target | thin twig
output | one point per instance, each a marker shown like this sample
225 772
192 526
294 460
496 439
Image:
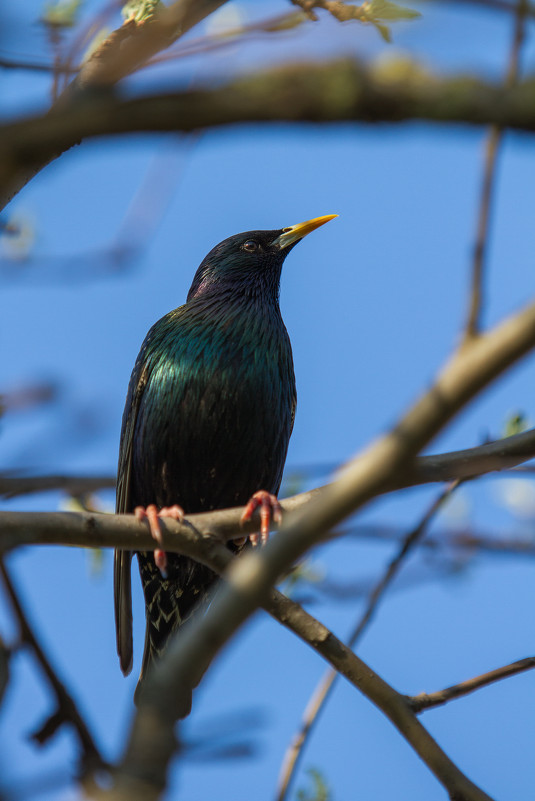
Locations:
492 148
451 540
67 711
494 5
322 691
423 701
229 38
33 66
85 35
13 486
203 44
385 697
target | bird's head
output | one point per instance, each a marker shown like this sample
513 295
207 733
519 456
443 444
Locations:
251 260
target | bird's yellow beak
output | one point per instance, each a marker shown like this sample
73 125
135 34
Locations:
296 232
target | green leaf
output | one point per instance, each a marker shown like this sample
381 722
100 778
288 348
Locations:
384 31
61 14
385 10
140 10
320 791
286 23
516 423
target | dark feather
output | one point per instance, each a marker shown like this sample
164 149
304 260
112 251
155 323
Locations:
207 421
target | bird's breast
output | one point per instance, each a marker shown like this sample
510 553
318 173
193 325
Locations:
216 416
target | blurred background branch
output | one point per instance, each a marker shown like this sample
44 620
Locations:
343 91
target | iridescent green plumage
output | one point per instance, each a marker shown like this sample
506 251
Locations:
208 418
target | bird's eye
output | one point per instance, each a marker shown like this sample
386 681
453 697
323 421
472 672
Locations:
250 245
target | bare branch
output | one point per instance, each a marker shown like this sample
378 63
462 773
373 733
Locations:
155 743
322 691
343 91
495 5
388 700
494 140
463 539
125 50
202 547
470 463
213 554
67 711
11 486
420 703
134 43
31 66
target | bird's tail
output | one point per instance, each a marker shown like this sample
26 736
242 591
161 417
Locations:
149 657
169 603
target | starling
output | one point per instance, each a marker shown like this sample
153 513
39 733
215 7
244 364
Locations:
207 421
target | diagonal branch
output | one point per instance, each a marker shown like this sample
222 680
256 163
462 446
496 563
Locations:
67 711
209 550
322 691
465 539
395 706
11 486
130 46
492 148
419 703
156 743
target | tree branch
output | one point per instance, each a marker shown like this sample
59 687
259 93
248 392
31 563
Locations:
492 148
341 91
419 703
498 455
322 691
205 548
123 531
465 539
67 711
388 700
11 486
155 744
129 47
125 50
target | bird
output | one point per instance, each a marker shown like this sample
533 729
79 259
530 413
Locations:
208 416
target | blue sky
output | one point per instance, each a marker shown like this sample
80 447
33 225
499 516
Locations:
373 302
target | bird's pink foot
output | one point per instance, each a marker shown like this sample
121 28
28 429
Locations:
270 509
152 515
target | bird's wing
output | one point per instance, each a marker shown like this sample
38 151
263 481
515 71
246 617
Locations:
122 579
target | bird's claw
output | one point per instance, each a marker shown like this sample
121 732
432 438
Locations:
270 509
152 515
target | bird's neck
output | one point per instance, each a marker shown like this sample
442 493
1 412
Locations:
234 311
233 297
